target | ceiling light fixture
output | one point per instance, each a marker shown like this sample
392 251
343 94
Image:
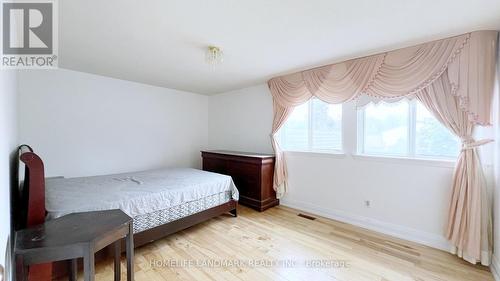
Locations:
214 55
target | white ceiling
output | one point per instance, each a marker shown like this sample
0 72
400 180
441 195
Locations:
162 42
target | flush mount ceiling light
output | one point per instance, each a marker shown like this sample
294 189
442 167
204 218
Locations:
214 55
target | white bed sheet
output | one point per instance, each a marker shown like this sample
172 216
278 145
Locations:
135 193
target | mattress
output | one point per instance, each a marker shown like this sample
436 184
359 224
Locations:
154 219
150 197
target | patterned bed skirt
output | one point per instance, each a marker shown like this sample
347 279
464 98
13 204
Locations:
154 219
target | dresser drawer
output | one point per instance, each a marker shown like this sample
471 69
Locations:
246 177
247 187
246 170
214 165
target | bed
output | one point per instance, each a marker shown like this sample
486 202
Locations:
151 198
161 201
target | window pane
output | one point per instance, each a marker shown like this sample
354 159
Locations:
295 133
386 128
327 125
320 129
432 138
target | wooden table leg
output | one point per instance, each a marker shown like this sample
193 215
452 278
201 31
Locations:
73 269
88 264
118 248
130 253
21 269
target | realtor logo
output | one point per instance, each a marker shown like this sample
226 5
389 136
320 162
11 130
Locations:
29 33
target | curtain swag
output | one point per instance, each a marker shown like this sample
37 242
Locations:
453 77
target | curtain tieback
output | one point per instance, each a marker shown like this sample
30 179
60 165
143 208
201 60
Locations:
471 143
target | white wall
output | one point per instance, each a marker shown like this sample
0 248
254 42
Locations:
241 120
83 124
8 143
409 198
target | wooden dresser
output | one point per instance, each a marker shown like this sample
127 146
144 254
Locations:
251 172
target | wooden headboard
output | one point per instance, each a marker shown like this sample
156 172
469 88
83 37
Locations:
28 200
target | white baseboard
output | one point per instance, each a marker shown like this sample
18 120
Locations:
495 268
402 232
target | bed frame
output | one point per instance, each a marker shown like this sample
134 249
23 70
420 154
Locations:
29 209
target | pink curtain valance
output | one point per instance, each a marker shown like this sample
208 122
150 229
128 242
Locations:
469 59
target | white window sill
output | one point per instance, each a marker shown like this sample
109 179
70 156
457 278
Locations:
322 154
436 162
433 162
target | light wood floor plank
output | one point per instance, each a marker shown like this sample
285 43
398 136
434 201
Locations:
278 234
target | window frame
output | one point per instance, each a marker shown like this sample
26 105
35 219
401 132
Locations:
411 135
310 124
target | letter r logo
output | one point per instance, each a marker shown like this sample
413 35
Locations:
27 28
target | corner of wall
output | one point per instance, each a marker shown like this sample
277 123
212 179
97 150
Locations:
8 145
495 262
8 270
495 268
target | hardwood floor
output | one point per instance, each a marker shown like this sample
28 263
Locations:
333 250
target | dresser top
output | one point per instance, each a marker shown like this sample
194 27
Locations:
240 153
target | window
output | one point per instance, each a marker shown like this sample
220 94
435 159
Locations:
405 128
313 126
